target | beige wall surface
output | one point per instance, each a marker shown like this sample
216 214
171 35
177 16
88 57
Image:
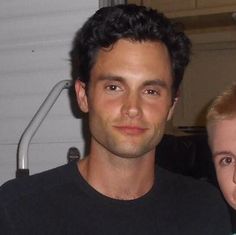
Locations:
211 70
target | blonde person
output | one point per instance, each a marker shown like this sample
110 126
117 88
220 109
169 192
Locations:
221 127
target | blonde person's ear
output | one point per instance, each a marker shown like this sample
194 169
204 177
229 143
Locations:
172 108
81 95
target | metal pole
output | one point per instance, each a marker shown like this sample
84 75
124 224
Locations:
22 153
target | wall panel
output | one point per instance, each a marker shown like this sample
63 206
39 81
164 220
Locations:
35 39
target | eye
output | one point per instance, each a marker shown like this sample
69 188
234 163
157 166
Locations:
153 92
226 161
113 87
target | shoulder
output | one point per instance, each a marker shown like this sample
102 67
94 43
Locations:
36 184
182 182
194 202
189 190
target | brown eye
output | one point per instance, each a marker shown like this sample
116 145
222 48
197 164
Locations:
151 92
225 161
113 88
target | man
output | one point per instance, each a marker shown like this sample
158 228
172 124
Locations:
128 62
221 127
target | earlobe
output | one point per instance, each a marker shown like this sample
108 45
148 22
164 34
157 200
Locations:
172 108
81 96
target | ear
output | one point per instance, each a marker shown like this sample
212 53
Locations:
172 108
81 95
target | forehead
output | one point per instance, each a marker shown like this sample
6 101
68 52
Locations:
132 59
222 134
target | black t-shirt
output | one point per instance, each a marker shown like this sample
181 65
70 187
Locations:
60 201
233 219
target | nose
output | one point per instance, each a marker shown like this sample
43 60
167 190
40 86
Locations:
132 106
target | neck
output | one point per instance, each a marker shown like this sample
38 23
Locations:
119 178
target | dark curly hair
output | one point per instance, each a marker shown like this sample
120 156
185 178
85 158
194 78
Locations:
138 23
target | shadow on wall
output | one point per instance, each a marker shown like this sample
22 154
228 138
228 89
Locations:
201 117
77 113
188 155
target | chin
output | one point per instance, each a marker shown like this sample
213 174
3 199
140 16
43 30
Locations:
130 153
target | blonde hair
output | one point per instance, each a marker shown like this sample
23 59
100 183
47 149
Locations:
224 106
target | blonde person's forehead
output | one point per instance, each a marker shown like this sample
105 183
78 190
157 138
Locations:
219 120
222 134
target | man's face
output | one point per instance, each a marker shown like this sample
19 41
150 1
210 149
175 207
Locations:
222 139
129 98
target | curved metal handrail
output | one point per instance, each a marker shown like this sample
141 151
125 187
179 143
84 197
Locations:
29 132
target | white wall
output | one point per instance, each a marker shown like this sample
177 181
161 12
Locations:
35 38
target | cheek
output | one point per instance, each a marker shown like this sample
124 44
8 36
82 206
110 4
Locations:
224 176
157 113
101 114
229 192
225 179
105 105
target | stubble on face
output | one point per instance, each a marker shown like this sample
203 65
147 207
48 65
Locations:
128 121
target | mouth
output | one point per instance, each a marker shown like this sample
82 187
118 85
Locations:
131 130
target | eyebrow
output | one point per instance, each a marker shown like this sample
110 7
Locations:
222 153
155 82
151 82
111 78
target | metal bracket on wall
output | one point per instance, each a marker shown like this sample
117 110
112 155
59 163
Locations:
29 132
